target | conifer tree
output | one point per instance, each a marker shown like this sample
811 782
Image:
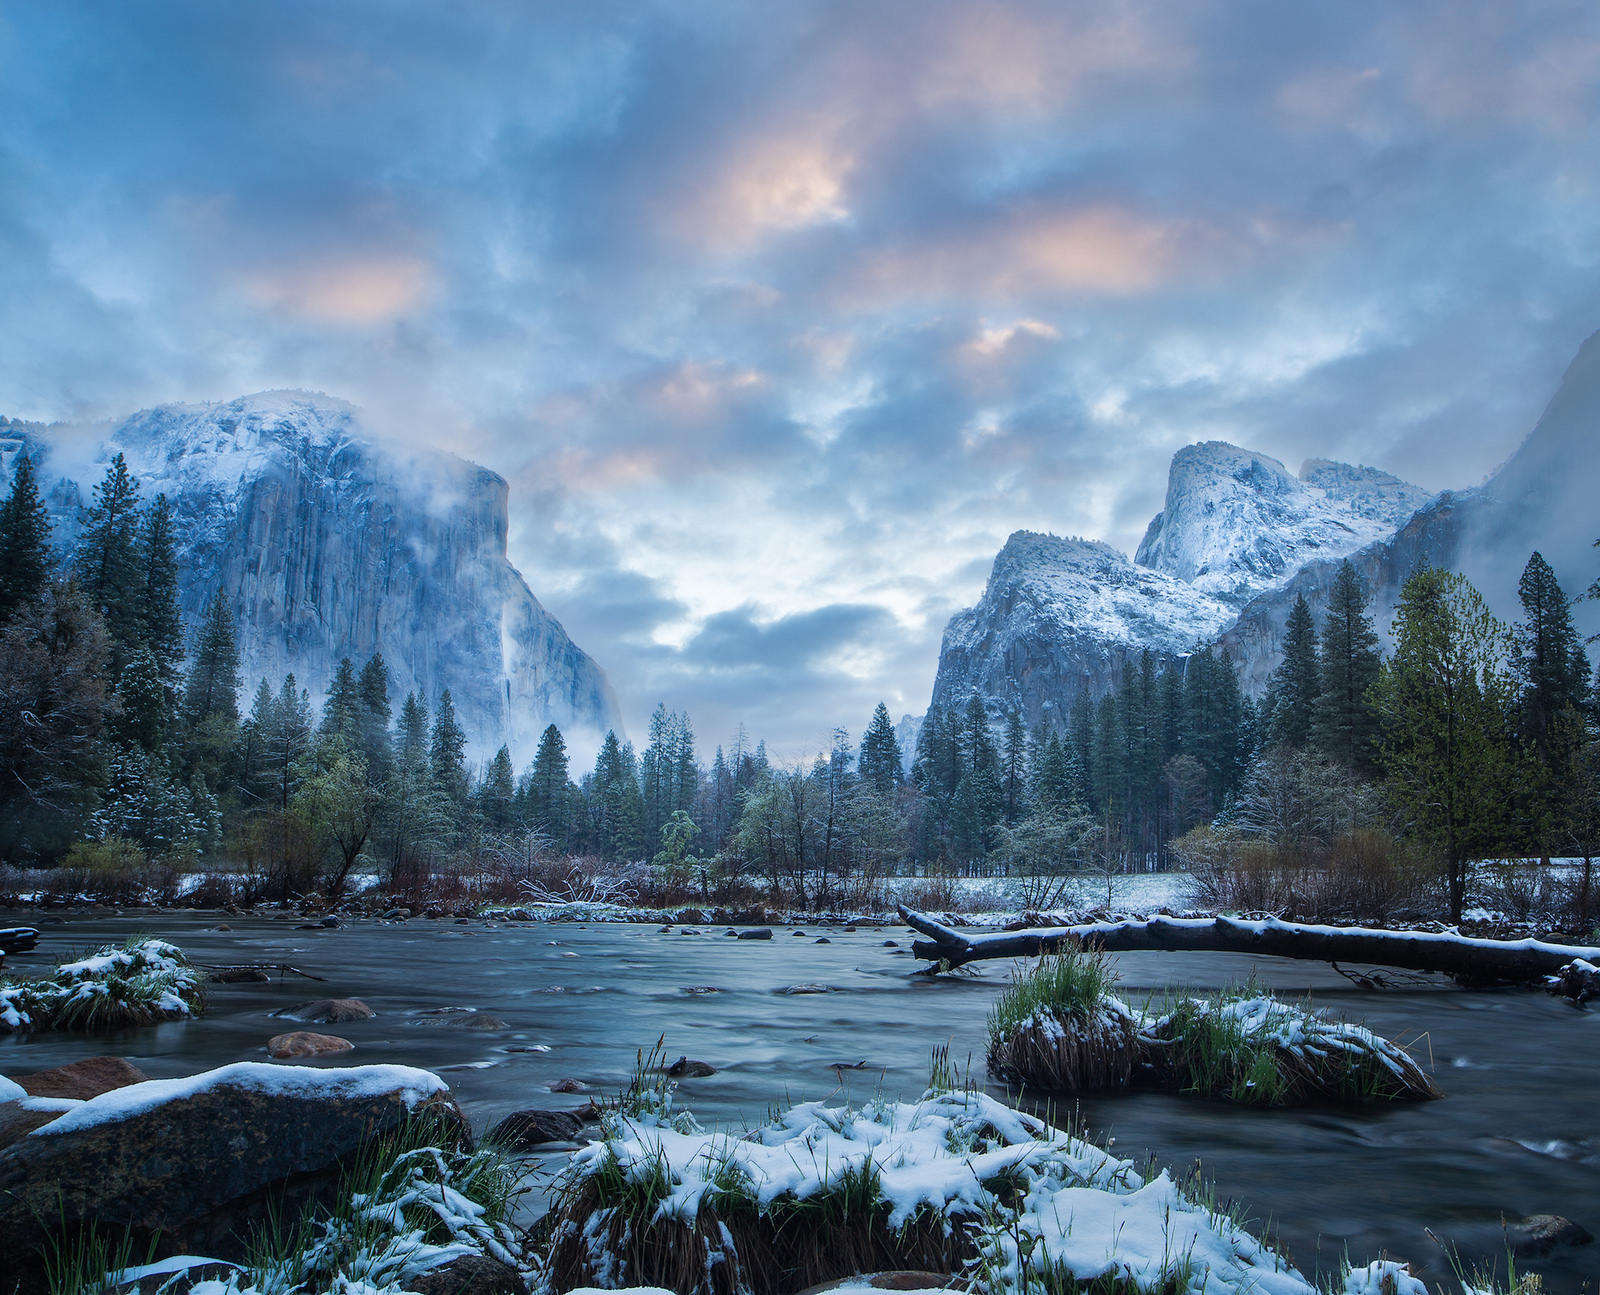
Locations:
109 570
341 710
24 541
372 718
1552 672
880 764
616 803
160 623
212 688
1343 724
497 795
1444 703
1295 686
1014 770
979 799
142 718
547 801
447 755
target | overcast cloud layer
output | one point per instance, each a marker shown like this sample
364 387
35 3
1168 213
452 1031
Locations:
780 317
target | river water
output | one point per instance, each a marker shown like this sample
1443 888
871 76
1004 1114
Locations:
1515 1135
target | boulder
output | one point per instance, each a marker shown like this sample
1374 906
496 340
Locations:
329 1011
306 1043
688 1068
459 1018
1539 1234
470 1275
759 933
82 1079
533 1128
569 1086
202 1161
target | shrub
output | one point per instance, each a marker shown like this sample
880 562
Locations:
140 983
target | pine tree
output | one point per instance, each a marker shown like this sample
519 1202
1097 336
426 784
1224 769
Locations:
1444 703
880 766
372 718
415 809
1343 724
547 803
1552 672
497 795
979 799
341 712
213 684
617 806
1295 686
142 717
24 541
1014 770
160 623
109 570
447 755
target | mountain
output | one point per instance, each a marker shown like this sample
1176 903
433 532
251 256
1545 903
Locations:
328 544
1236 522
1062 615
1542 497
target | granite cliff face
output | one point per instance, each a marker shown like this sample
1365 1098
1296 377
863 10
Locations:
1061 616
1239 539
327 545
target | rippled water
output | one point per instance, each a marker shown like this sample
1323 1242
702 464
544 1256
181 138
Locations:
1516 1134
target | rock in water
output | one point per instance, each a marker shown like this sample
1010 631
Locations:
83 1079
330 1011
202 1160
532 1128
688 1068
306 1043
330 545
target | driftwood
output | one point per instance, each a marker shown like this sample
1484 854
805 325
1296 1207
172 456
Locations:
18 939
1469 961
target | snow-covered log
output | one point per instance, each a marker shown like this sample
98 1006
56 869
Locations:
1468 960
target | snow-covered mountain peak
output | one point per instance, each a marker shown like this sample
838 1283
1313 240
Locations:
1236 522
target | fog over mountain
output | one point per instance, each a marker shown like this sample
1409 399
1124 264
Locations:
328 544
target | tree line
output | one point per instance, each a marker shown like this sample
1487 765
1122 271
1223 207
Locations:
121 736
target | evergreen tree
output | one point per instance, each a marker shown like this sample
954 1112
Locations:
24 541
1444 703
52 713
142 717
160 623
109 569
416 811
1014 770
341 712
1552 672
1343 724
497 795
213 684
1295 685
880 766
547 803
1216 722
447 755
372 718
617 807
979 798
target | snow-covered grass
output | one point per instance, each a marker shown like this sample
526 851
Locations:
404 1208
955 1182
139 983
1059 1028
1248 1047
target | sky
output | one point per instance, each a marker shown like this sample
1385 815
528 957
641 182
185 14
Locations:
779 317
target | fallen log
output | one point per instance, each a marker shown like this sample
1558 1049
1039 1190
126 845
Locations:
224 970
1468 960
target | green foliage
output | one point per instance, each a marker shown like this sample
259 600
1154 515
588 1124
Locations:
139 983
24 541
881 764
1294 688
1444 704
1075 983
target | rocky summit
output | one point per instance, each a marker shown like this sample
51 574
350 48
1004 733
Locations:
327 544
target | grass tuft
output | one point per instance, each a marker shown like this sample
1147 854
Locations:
1059 1028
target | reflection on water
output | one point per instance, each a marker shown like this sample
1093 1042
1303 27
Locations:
1515 1134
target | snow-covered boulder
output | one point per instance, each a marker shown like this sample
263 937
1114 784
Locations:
201 1160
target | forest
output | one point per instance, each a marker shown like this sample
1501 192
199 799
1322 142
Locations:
1361 784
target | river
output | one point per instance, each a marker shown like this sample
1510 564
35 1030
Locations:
1515 1135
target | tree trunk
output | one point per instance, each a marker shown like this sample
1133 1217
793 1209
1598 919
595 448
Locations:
1469 961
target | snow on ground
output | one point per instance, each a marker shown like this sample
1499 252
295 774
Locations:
414 1086
1080 1209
